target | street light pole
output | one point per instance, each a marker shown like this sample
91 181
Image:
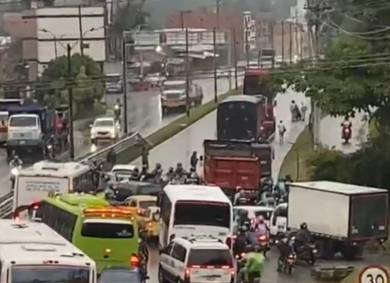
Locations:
187 76
70 101
81 32
124 65
215 66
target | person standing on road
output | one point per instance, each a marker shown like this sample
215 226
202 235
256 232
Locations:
282 131
303 110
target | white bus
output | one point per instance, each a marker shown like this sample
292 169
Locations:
35 182
191 210
32 252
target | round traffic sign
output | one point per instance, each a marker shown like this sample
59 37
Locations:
374 274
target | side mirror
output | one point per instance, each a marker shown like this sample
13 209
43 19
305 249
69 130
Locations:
90 125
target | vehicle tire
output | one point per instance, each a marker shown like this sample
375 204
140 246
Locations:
165 110
161 277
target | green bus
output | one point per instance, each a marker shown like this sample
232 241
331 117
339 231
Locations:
107 234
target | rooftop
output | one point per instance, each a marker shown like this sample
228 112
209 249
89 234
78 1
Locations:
339 188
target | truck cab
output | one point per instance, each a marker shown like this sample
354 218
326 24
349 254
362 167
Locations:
29 127
173 95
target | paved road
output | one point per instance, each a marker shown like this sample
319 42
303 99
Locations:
180 147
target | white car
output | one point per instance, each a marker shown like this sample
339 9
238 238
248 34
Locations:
121 172
278 221
196 260
105 129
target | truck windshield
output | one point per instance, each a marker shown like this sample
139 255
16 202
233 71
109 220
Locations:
207 213
21 121
41 273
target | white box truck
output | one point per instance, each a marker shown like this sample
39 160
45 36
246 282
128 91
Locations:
341 217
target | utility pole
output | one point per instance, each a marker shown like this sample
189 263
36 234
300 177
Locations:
70 100
124 72
247 47
296 33
301 36
235 59
55 47
182 19
282 42
187 76
215 65
218 3
273 44
291 41
81 32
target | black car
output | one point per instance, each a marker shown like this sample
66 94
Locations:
122 275
119 192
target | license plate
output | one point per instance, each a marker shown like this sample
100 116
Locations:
22 142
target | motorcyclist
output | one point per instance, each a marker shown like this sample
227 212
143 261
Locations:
179 171
117 109
303 236
193 177
241 241
15 161
285 250
156 172
252 237
95 173
170 174
253 265
237 196
346 124
243 220
261 228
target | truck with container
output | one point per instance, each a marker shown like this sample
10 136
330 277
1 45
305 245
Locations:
341 217
232 164
29 129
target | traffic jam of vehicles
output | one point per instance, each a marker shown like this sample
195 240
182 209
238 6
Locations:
220 221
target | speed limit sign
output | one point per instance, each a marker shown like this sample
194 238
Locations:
374 274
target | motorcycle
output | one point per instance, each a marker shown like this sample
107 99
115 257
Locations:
50 151
287 264
264 244
346 134
306 253
14 172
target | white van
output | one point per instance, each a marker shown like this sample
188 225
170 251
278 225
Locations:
192 210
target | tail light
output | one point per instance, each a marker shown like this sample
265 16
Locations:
134 261
187 274
262 238
150 224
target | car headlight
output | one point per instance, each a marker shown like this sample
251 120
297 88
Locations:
93 134
112 134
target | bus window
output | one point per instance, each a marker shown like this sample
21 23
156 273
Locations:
37 273
208 213
112 230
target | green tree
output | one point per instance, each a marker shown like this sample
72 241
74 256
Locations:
85 77
129 16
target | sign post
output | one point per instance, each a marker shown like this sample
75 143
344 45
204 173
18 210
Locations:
374 274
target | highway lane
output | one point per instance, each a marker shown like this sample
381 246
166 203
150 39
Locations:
180 147
144 115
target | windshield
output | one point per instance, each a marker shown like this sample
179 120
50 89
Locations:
49 274
254 85
103 123
207 213
146 204
23 121
113 78
179 86
107 230
209 257
120 275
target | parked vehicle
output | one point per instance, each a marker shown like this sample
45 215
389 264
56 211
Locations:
114 83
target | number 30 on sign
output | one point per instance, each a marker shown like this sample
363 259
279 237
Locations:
374 274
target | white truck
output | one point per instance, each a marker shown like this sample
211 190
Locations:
341 217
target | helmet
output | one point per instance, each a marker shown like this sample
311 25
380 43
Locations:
244 213
284 240
179 165
192 169
238 188
304 226
170 169
261 219
158 165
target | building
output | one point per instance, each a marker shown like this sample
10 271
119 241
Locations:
48 31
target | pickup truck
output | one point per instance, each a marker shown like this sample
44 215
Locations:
229 164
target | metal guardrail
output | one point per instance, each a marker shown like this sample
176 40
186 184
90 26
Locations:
123 145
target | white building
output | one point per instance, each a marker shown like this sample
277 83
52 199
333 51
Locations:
50 30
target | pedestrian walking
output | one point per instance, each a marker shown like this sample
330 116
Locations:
303 110
194 159
282 131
